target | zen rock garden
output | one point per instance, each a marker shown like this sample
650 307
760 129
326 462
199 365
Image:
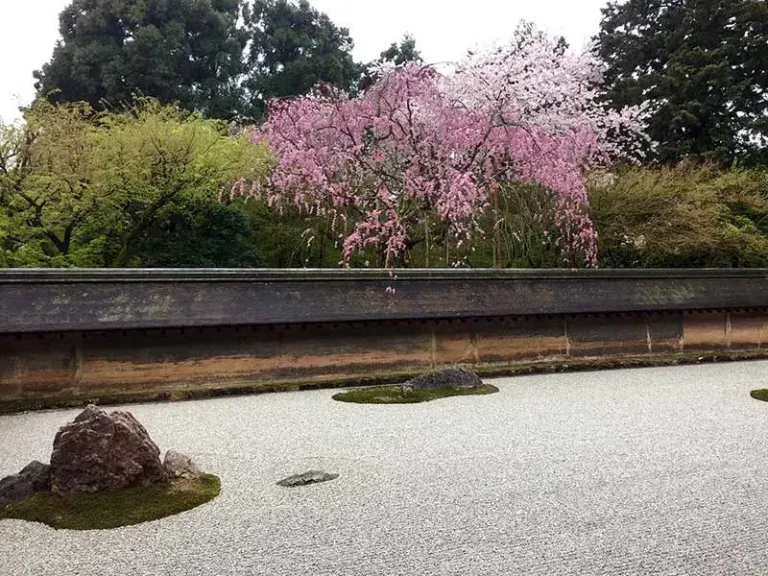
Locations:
311 485
105 471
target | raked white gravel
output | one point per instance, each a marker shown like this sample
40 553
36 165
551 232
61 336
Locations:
651 471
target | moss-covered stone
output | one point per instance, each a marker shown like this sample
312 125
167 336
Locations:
405 395
760 394
114 509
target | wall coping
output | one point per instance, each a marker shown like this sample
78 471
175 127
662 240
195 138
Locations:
315 275
36 301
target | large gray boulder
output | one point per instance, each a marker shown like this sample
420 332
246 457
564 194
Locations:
34 477
453 377
101 452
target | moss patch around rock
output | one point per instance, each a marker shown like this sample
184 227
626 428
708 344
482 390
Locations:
399 395
111 510
760 394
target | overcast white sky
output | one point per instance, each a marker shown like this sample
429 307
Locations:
444 30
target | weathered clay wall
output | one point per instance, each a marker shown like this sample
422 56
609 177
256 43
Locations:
55 301
66 368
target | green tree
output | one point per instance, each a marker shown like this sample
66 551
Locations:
85 188
46 171
401 53
292 48
199 233
703 67
224 58
178 51
397 54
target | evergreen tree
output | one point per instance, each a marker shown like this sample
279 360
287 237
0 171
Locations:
702 65
182 51
292 48
223 58
401 53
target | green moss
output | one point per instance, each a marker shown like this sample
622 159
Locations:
760 394
398 395
111 510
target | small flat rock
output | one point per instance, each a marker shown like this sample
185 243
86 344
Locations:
311 477
453 377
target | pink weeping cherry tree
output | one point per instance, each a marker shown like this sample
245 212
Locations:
421 150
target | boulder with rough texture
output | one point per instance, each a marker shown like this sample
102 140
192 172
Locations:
101 452
311 477
453 377
178 465
34 477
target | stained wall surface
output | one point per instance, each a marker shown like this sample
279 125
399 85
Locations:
48 369
72 336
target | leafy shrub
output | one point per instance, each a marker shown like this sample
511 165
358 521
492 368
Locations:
683 216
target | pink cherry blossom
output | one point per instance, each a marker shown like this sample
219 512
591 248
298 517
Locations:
535 80
419 144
